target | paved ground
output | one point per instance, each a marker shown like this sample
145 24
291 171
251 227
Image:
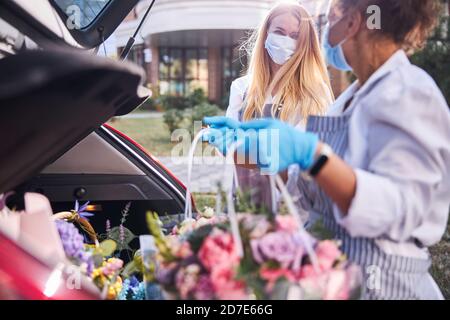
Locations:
143 115
206 174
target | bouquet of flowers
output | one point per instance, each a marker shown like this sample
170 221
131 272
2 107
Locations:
275 263
250 256
99 261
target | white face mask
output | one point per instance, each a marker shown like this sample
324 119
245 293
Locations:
280 48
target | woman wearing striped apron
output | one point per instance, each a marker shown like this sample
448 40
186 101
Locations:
377 167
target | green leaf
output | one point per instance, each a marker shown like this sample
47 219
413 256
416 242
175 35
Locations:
281 289
130 269
319 231
98 260
108 247
196 238
122 244
155 228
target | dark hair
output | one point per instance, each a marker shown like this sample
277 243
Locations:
407 22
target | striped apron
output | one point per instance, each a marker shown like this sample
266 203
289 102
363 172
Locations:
385 276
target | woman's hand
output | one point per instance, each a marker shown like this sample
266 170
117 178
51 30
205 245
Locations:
222 132
275 145
221 138
221 122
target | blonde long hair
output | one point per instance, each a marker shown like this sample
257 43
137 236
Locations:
303 85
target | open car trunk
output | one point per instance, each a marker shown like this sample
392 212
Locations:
53 105
51 100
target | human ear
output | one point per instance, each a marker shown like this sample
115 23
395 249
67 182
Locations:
354 23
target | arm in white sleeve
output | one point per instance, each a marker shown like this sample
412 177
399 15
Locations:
237 92
406 132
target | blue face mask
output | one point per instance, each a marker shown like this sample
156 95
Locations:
334 55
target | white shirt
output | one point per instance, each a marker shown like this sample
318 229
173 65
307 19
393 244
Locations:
238 91
399 145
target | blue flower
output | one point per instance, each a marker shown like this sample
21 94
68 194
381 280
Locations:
123 295
81 211
132 289
139 292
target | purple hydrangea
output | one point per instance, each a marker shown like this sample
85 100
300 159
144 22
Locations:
73 244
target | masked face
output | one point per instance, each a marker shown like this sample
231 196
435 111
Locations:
280 48
334 55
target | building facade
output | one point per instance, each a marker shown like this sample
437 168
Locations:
189 44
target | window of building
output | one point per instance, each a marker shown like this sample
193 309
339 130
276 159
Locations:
233 65
182 70
136 55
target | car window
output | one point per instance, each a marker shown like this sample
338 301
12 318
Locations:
81 13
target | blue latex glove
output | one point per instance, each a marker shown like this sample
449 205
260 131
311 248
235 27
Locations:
221 138
222 132
221 122
278 145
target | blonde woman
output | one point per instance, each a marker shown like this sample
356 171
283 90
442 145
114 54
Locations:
287 79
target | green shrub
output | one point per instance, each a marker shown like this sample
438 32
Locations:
197 97
169 102
177 119
204 110
182 112
173 118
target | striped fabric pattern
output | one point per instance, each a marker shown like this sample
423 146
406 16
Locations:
385 276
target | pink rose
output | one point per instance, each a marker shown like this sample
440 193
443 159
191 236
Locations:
337 287
184 284
286 223
184 251
225 285
272 274
179 249
308 271
327 253
328 285
111 266
218 250
204 290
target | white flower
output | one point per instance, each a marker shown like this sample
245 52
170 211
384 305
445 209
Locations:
208 213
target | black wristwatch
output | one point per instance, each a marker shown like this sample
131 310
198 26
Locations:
321 160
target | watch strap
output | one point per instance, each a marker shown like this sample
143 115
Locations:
321 160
